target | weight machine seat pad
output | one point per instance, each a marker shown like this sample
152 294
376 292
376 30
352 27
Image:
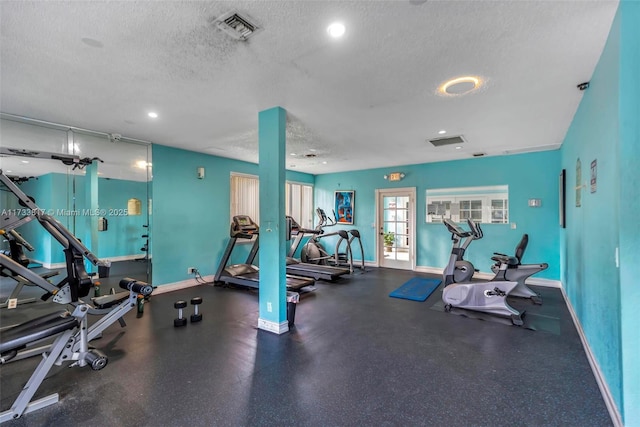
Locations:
45 326
108 301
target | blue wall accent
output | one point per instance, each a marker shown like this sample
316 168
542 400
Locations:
533 175
54 193
272 125
43 190
123 235
629 108
606 128
191 216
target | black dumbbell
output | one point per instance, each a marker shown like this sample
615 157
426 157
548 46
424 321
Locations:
180 321
196 317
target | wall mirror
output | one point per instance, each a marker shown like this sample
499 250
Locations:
92 200
488 205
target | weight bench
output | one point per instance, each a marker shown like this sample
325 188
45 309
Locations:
70 345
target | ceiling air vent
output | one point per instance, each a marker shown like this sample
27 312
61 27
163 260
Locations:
240 27
449 140
478 154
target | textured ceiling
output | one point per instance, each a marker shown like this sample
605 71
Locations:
366 100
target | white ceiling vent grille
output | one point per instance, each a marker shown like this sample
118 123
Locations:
238 26
449 140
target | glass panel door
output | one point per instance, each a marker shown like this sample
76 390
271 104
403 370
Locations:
396 229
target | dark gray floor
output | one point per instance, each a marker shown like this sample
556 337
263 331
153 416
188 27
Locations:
355 357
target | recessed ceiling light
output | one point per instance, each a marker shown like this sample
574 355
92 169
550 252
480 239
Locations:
153 115
458 147
293 154
442 132
9 171
312 149
25 161
336 30
324 163
460 86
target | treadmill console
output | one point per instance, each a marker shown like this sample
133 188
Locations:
243 226
292 226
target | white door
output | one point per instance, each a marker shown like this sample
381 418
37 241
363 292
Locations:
396 228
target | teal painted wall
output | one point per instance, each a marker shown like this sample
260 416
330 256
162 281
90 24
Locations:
42 191
589 274
533 175
606 128
629 108
191 216
272 124
54 193
123 235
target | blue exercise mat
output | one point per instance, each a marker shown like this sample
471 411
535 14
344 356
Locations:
416 289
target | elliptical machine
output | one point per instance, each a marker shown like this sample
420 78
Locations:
487 297
314 253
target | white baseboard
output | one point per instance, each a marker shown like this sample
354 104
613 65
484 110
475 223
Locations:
597 373
276 328
58 265
549 283
51 266
430 270
123 258
176 286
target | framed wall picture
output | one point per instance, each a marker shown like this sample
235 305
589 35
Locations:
562 183
343 206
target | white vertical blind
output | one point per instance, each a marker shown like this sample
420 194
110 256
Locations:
245 196
245 200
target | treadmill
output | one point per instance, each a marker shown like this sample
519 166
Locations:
246 274
295 266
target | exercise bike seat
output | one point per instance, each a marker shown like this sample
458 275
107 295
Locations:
17 337
505 259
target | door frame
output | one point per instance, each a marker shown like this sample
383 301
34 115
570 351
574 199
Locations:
412 223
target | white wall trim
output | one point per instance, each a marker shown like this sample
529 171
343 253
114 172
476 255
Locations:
123 258
50 266
549 283
431 270
58 265
176 286
276 328
597 373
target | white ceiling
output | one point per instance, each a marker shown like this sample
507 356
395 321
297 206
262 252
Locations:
366 100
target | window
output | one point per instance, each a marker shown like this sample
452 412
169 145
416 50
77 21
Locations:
480 204
245 200
299 199
244 196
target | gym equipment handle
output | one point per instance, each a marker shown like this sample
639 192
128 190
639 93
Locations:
136 286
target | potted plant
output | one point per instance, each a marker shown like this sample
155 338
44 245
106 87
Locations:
389 237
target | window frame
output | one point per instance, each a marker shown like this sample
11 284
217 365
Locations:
305 201
457 197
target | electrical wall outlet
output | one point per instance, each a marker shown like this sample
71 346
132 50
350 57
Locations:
191 270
